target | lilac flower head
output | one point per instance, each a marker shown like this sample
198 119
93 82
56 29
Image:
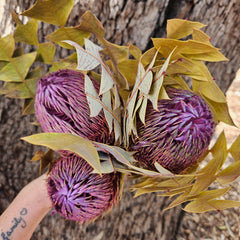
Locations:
176 135
61 106
78 195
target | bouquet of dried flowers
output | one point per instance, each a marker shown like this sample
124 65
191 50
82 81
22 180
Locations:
111 112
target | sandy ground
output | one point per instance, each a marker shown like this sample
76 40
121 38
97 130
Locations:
215 225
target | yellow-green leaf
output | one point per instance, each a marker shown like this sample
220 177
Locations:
220 145
28 106
229 174
220 111
179 28
128 68
17 69
68 33
27 33
135 51
65 141
200 36
200 206
50 11
7 45
235 149
46 52
210 90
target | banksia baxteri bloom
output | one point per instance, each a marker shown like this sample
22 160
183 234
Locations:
78 195
61 106
176 135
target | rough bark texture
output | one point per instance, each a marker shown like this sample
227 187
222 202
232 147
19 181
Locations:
125 21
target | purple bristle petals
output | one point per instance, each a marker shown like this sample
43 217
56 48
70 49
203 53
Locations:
176 135
61 106
78 195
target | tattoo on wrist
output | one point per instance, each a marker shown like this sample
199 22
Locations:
17 222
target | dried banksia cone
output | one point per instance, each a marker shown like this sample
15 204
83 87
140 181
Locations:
78 195
61 106
176 135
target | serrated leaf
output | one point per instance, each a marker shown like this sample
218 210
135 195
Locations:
142 110
229 174
65 141
90 23
50 11
27 33
68 33
179 28
46 52
86 60
7 45
106 99
17 69
93 99
235 149
106 80
157 83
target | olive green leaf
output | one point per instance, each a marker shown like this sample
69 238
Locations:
15 18
17 69
68 33
200 206
50 11
45 158
90 23
235 149
46 52
7 45
19 51
28 106
65 141
27 33
220 111
179 28
229 174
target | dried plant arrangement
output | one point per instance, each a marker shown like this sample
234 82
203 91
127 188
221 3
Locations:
112 112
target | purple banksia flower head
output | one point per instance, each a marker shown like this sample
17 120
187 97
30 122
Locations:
61 106
176 135
76 193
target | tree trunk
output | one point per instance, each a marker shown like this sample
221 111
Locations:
125 21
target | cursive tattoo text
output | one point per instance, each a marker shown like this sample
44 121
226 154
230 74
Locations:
16 222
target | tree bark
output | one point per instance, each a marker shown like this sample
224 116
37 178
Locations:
125 21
